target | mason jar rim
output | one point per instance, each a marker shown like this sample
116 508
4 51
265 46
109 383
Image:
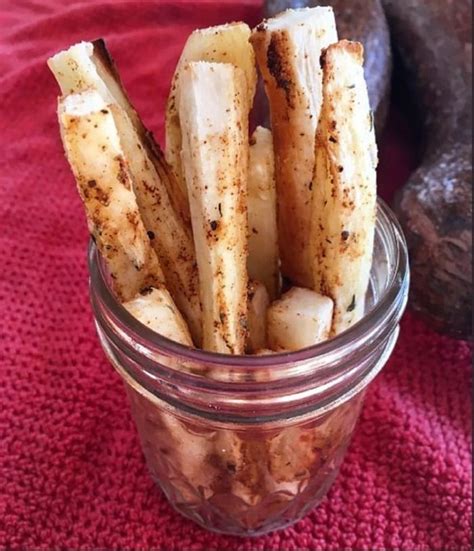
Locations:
293 384
354 335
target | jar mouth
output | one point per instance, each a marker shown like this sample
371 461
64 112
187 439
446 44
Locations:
387 307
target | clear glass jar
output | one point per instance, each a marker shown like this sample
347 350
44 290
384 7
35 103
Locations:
246 445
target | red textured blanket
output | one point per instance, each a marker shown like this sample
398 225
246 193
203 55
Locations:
71 470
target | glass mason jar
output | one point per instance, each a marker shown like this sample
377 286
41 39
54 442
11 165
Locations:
249 444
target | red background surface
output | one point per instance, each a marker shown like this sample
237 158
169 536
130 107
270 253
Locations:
71 470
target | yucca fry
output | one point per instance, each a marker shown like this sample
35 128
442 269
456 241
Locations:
263 260
220 44
88 66
292 454
189 452
94 151
167 437
155 309
258 302
172 241
301 318
245 458
287 49
344 189
215 162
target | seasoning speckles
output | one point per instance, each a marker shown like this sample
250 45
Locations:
214 138
346 187
352 305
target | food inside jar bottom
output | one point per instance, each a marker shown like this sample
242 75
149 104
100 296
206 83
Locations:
244 479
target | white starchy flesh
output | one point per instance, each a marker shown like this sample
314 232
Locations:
258 302
221 44
301 318
155 309
87 66
344 188
287 49
263 261
215 162
80 67
94 151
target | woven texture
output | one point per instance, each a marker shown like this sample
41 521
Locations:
71 471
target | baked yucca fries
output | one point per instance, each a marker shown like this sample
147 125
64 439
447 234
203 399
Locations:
215 163
287 49
94 151
322 184
221 44
263 260
197 258
344 187
258 303
155 309
172 240
88 66
301 318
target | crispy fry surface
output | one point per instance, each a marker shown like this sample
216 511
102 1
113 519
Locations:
221 44
90 65
287 49
171 239
215 161
344 187
304 192
94 151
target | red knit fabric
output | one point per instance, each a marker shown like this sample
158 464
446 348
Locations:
72 475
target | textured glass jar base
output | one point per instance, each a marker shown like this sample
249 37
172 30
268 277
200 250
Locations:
275 513
244 481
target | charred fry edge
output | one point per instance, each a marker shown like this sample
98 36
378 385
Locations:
287 49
